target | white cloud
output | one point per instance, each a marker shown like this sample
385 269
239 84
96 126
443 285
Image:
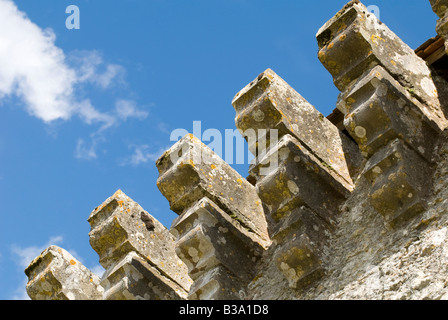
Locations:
90 115
127 109
90 67
86 152
141 155
50 84
35 70
124 109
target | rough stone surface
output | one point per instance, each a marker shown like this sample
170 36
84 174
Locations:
397 175
207 237
120 226
269 102
440 7
190 171
372 43
321 218
396 112
56 275
300 178
134 278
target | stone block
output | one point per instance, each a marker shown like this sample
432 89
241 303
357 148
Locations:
133 278
298 179
190 171
207 237
440 7
217 284
269 103
399 177
442 26
301 220
378 110
56 275
355 41
121 226
299 255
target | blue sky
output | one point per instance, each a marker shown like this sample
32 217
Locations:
86 112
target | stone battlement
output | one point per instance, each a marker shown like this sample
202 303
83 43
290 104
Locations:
349 206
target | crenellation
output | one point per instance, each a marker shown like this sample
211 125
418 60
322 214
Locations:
198 173
218 284
311 164
289 113
221 220
56 275
373 43
127 238
207 214
396 112
210 242
386 81
349 206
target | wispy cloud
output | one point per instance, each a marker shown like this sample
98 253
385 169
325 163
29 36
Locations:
128 109
91 68
124 110
84 151
142 154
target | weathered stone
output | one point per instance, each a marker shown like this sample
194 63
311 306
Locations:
214 246
190 171
298 179
56 275
207 237
299 264
442 27
440 7
269 103
121 226
371 43
325 240
217 284
133 278
206 212
398 176
396 112
303 237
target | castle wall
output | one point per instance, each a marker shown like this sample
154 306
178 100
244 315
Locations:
333 211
